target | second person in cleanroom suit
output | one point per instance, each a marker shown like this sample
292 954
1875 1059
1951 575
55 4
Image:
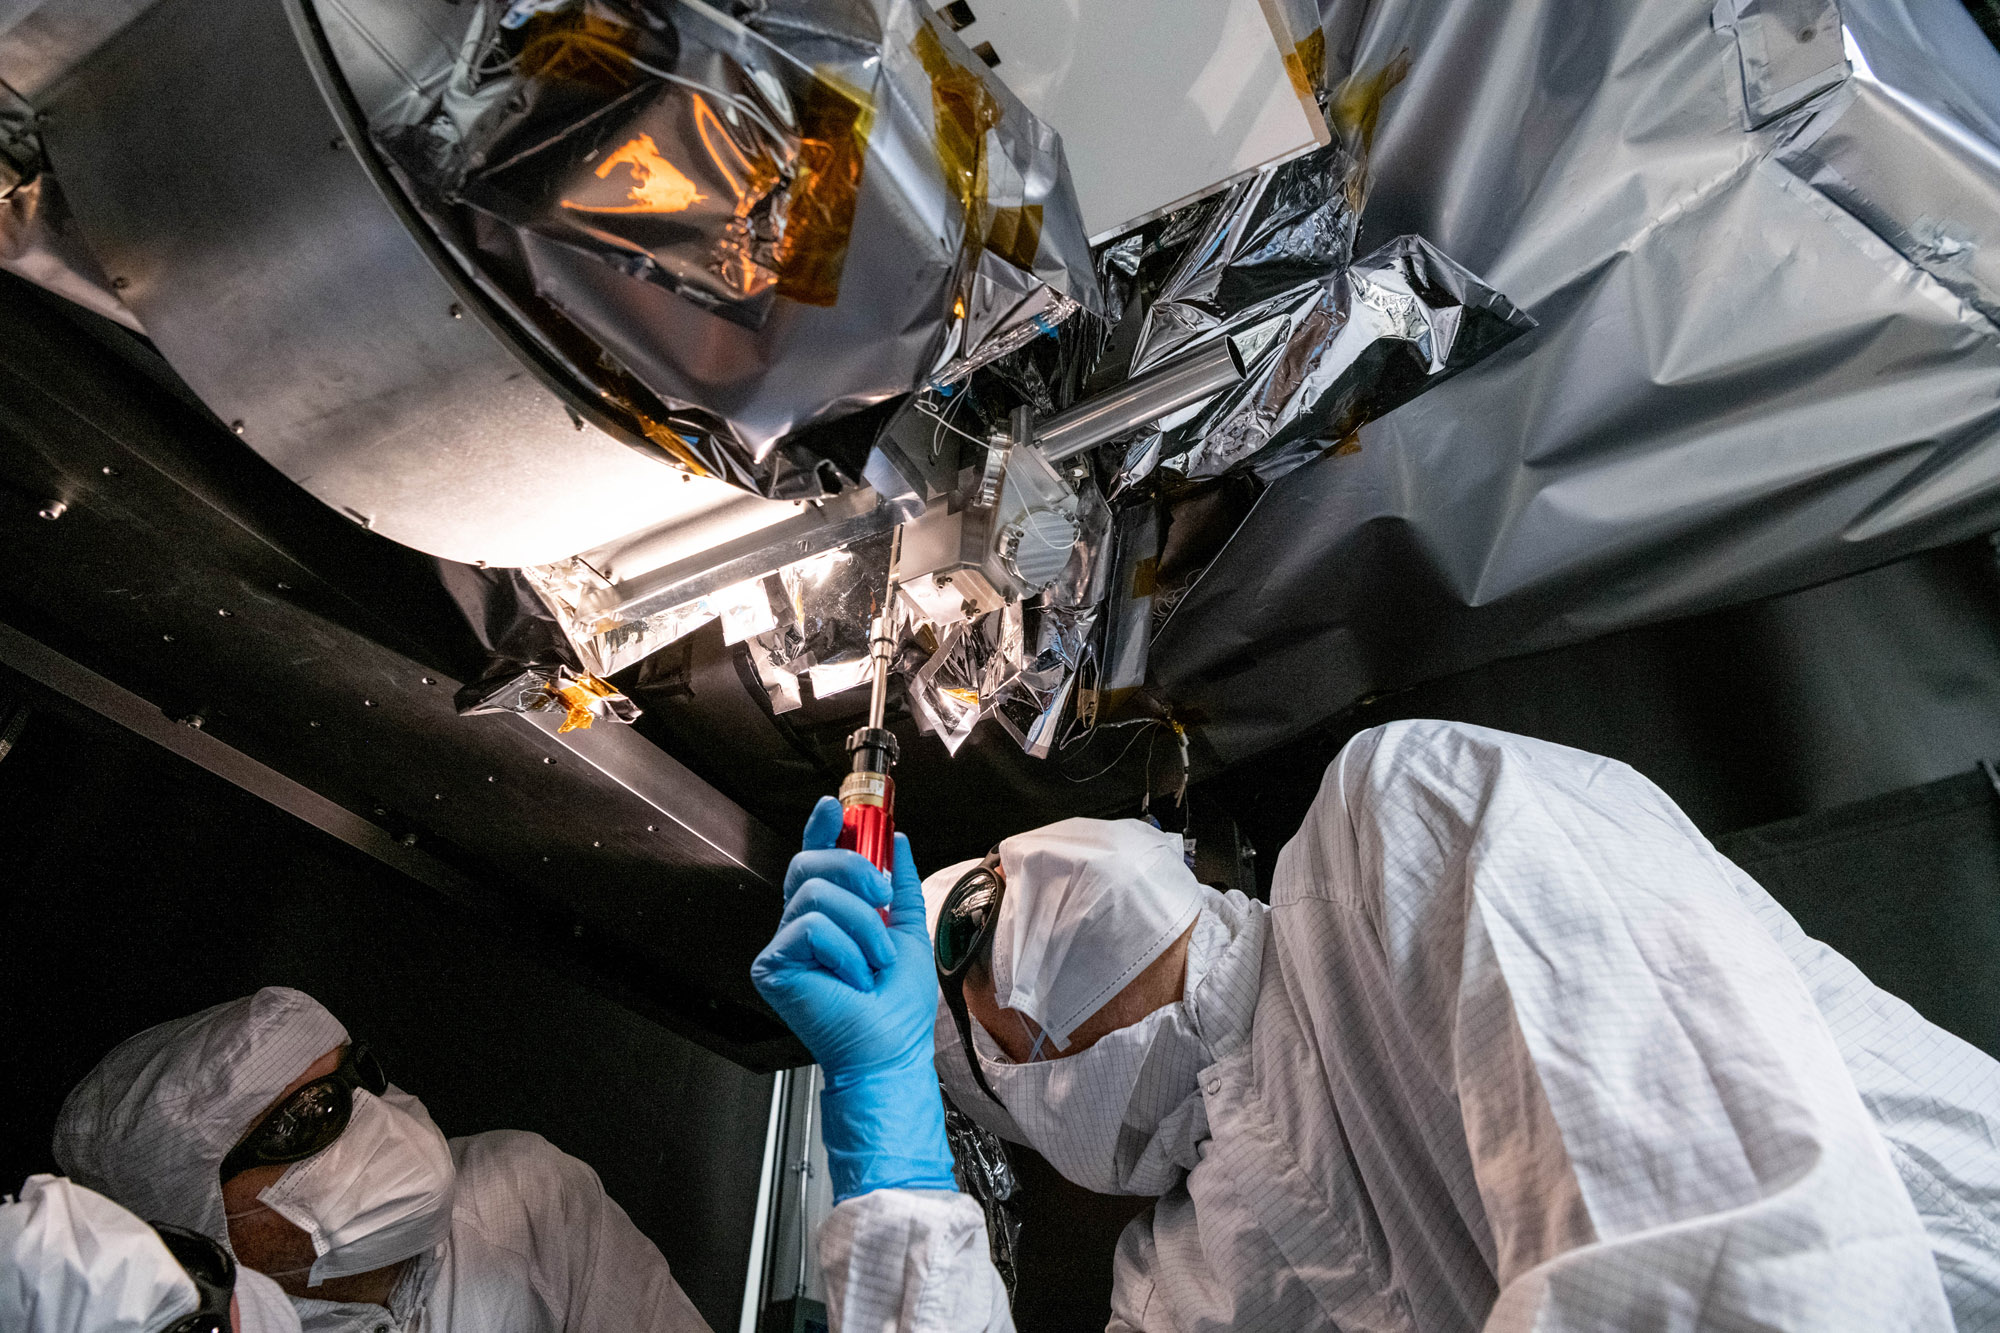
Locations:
1513 1047
261 1124
72 1261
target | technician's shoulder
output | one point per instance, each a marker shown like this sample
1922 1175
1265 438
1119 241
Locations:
505 1173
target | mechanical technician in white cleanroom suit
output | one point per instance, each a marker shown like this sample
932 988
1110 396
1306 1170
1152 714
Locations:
1513 1047
259 1124
72 1261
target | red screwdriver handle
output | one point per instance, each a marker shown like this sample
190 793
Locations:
868 819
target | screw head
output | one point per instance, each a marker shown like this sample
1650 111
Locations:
53 510
439 796
596 844
491 778
284 587
408 840
427 680
166 638
652 828
109 471
312 724
224 612
120 284
197 721
236 426
336 143
547 760
367 703
456 311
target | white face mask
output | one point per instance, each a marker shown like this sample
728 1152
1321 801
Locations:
1125 1115
1120 1117
380 1193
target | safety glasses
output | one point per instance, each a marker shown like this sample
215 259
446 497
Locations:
964 935
211 1270
310 1119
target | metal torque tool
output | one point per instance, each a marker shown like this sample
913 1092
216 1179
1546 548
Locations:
868 793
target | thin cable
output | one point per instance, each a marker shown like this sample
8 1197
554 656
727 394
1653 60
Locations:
729 99
1152 721
945 423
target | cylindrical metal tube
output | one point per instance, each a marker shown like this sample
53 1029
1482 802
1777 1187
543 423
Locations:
1183 380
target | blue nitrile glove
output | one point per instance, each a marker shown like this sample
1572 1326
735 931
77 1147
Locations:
862 996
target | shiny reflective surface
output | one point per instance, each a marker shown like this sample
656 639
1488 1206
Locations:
1748 376
214 182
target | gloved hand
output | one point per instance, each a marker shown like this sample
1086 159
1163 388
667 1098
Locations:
863 997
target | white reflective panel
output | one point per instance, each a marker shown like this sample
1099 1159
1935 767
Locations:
1157 101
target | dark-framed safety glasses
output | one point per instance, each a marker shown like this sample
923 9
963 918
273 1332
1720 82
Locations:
310 1119
964 936
211 1270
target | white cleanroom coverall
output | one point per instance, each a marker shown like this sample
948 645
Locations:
1525 1052
72 1261
534 1244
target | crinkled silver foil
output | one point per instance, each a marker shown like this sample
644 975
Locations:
981 1168
1327 344
976 663
744 230
1764 274
1329 356
1037 699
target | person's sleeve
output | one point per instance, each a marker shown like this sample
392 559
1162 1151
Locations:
591 1266
911 1261
1542 974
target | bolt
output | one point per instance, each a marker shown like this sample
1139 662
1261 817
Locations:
491 778
197 721
367 703
456 311
652 828
109 471
547 760
427 680
54 510
408 840
236 426
596 844
120 284
438 797
545 860
224 612
284 587
166 638
312 724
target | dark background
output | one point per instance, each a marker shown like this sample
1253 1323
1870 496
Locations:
135 887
